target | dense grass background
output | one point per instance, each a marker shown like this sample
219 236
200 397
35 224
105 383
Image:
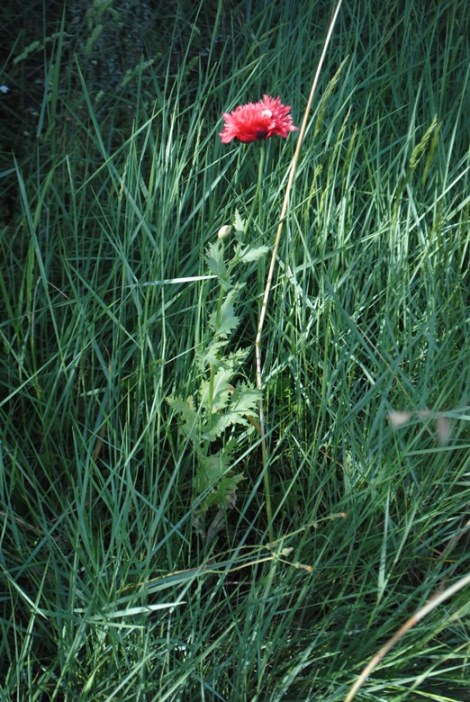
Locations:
106 590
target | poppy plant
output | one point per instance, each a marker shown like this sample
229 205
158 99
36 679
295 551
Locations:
257 120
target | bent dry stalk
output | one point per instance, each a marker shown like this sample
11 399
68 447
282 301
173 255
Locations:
272 265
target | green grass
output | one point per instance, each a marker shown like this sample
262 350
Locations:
107 592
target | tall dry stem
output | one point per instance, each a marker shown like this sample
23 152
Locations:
272 265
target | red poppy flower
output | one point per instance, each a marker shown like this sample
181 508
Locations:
257 120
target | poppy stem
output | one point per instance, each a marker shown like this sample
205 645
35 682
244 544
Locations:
257 204
259 185
213 369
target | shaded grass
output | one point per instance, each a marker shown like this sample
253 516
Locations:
369 314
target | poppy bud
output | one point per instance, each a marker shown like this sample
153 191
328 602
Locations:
224 231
